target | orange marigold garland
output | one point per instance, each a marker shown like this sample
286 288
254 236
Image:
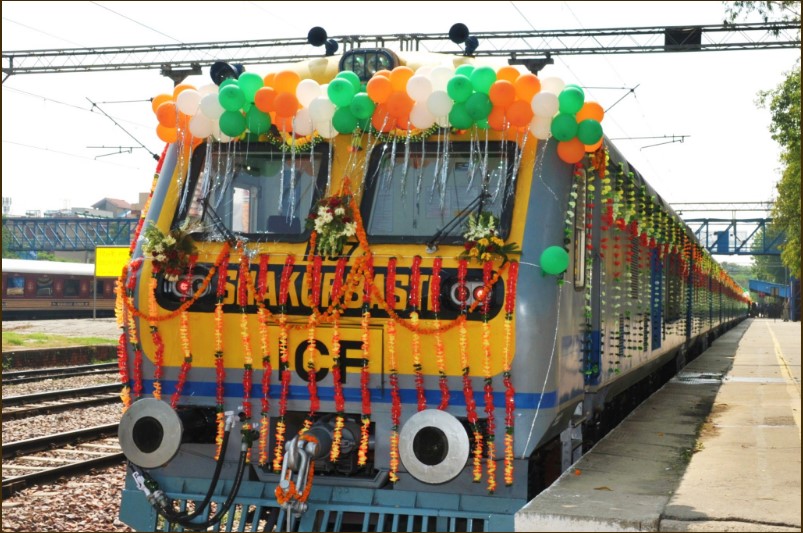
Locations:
159 346
395 409
415 301
267 370
284 365
220 371
365 374
314 281
121 310
510 392
340 404
435 305
490 462
133 336
184 335
468 391
248 360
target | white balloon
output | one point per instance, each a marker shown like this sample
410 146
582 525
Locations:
420 117
540 127
209 88
306 91
200 126
425 71
187 101
439 103
440 76
325 129
302 122
219 135
321 109
211 107
545 104
552 85
419 88
443 121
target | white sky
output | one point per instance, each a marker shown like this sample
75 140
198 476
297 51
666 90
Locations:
708 96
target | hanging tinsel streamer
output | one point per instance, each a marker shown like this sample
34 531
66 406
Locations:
284 363
510 392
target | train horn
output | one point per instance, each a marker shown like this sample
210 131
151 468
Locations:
433 446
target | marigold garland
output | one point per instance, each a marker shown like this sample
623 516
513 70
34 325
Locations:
159 347
220 370
490 462
468 391
395 410
284 364
435 305
365 374
184 336
415 283
248 360
267 370
510 392
133 335
340 404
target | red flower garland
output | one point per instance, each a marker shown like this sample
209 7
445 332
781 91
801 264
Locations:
284 365
395 409
365 374
415 299
510 392
184 335
267 370
220 370
340 403
490 462
242 294
435 305
468 391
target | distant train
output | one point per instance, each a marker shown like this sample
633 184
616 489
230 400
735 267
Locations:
51 289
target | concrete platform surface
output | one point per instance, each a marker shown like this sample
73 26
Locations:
716 449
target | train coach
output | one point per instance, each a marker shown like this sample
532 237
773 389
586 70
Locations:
52 289
388 291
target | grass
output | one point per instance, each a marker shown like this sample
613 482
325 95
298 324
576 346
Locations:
44 340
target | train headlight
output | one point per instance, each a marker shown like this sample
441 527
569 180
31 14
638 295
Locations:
474 291
172 293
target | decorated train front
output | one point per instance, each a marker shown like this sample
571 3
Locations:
363 295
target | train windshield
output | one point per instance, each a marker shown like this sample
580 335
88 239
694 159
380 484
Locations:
256 191
427 191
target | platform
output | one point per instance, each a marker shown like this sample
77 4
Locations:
716 449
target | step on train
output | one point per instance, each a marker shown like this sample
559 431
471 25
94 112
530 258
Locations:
390 291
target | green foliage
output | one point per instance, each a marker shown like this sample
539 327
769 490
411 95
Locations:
780 11
7 241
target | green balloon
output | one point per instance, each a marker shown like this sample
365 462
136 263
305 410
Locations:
479 105
483 124
352 78
232 123
231 98
364 124
564 127
459 117
571 99
589 131
554 260
227 81
362 106
482 78
465 70
250 83
459 88
256 121
341 92
344 120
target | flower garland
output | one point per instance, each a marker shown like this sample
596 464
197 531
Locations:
340 403
468 391
122 352
248 359
333 221
157 340
220 370
284 363
435 304
395 409
510 392
490 462
133 336
365 374
314 278
415 300
169 252
184 335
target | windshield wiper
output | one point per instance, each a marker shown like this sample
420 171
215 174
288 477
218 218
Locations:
476 203
218 223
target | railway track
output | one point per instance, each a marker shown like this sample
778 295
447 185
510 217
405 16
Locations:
15 407
26 376
47 458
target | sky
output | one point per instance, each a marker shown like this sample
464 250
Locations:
50 134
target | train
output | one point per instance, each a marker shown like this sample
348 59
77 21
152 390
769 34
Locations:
390 290
53 289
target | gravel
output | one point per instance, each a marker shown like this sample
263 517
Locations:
48 424
53 384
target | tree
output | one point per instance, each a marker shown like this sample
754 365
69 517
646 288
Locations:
7 241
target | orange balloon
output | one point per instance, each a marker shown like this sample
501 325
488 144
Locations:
283 123
180 88
269 79
526 86
156 101
399 77
571 151
286 81
590 110
286 104
399 104
496 118
384 72
379 88
502 93
183 121
168 135
520 113
507 73
167 114
382 120
593 147
264 99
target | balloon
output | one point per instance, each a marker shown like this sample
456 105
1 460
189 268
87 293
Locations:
478 105
540 127
594 147
232 123
571 151
508 73
459 117
520 113
570 100
343 120
209 88
256 121
321 109
286 81
459 88
399 104
399 77
554 260
284 124
381 120
564 127
231 98
527 85
379 89
156 101
181 88
440 76
188 101
168 135
385 73
465 70
545 104
589 131
167 115
268 80
439 104
286 104
264 99
340 92
302 122
211 108
497 119
482 78
419 88
201 126
362 106
552 85
351 77
250 83
502 93
590 110
307 91
420 116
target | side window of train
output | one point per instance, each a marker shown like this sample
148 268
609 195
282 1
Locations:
580 236
44 286
16 286
72 288
413 193
259 191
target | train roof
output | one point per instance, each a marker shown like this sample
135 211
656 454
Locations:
27 266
